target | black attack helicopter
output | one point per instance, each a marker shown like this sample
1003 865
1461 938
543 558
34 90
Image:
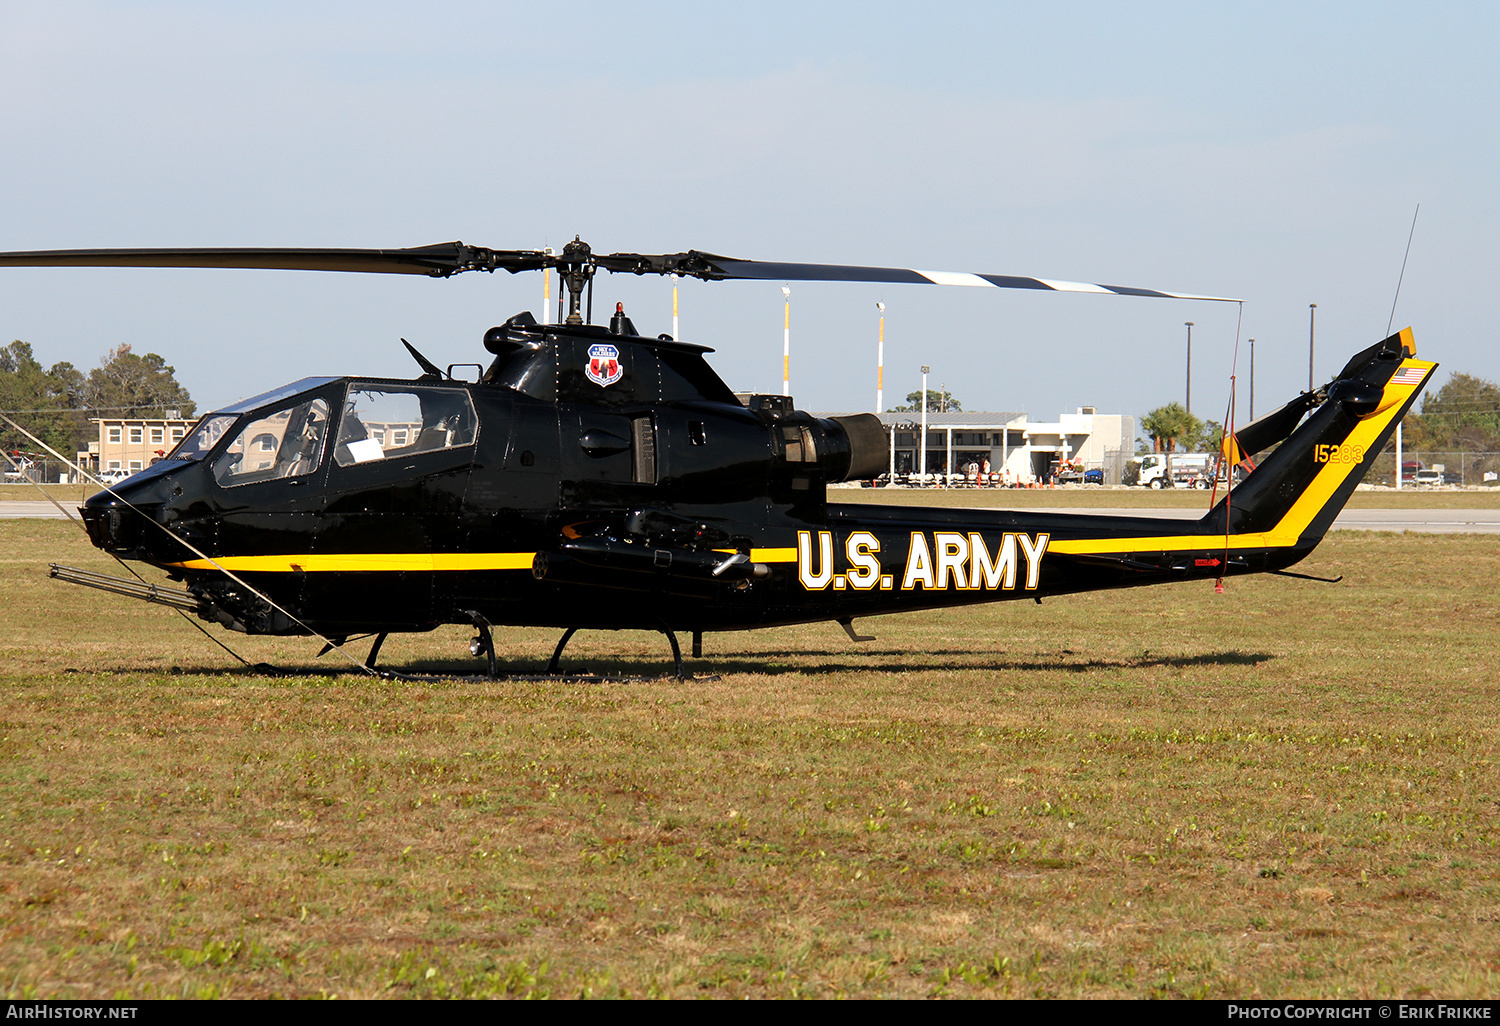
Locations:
594 477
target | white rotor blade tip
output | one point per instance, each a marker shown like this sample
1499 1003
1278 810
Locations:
1074 286
954 278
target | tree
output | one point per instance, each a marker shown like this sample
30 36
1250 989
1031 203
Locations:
938 401
1463 414
127 385
1170 425
1208 438
29 395
55 404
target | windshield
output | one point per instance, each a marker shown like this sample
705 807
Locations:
202 438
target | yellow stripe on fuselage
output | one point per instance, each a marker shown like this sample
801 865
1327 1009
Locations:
327 562
313 563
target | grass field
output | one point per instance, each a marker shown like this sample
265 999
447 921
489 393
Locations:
1286 790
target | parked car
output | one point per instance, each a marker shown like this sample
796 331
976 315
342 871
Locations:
113 477
1094 476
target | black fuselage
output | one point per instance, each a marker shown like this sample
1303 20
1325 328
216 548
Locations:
593 479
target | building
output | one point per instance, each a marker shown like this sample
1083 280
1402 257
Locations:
1017 448
132 443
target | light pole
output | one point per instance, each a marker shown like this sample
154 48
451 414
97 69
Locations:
922 465
880 364
1189 366
1312 319
1252 379
786 344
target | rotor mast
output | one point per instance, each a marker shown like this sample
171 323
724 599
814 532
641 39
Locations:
576 267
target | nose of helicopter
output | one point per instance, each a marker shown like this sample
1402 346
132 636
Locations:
119 519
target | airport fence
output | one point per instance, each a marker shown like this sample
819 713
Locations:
1454 468
38 472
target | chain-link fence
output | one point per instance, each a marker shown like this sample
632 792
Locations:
1424 467
1116 461
37 472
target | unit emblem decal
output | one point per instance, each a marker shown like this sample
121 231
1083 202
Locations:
604 365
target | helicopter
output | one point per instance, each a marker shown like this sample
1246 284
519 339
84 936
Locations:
593 477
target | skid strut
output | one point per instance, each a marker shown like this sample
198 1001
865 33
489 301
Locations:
677 667
375 650
485 643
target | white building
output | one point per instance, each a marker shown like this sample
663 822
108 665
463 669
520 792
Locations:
1014 445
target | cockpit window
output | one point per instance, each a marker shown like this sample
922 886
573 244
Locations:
383 423
203 437
282 444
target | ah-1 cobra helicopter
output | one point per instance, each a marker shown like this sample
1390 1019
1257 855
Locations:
597 478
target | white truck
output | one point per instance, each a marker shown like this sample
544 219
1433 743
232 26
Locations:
1188 469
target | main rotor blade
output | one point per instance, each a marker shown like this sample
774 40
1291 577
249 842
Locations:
727 267
450 258
438 261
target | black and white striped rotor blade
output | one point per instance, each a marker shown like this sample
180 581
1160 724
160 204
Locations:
774 271
439 261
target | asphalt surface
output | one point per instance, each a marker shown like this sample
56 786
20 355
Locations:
1426 521
38 509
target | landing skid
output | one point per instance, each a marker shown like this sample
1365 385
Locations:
677 666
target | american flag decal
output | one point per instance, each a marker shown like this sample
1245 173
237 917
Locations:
1409 376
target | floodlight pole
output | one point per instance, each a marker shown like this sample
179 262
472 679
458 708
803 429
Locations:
923 442
1252 379
786 344
880 364
1189 366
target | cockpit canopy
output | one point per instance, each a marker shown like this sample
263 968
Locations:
284 433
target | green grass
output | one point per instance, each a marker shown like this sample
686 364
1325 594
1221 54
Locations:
1288 790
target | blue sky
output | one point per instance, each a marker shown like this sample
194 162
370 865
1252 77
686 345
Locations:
1273 152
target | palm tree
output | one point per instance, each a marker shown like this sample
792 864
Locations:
1167 425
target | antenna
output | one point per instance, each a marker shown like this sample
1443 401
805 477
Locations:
1402 277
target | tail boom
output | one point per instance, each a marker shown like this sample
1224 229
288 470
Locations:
1285 506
